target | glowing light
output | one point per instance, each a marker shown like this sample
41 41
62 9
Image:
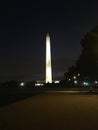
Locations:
21 84
78 74
96 82
74 77
75 81
48 61
57 82
86 83
69 79
39 84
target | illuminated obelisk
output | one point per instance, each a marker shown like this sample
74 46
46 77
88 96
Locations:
48 60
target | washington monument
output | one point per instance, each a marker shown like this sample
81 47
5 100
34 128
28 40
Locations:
48 60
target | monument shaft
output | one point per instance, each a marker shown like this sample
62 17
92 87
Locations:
48 60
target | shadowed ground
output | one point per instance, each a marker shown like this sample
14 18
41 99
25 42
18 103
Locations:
52 111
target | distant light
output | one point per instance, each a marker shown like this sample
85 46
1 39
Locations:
75 81
86 83
57 82
96 82
74 77
39 84
78 74
69 79
22 84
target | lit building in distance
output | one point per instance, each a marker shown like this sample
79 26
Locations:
48 60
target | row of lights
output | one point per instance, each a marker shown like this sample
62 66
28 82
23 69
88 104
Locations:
38 84
84 83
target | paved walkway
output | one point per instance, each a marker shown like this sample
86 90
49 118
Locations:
52 111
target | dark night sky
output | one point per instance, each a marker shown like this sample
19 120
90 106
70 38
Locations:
24 26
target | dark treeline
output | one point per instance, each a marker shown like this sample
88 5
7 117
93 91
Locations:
87 63
75 83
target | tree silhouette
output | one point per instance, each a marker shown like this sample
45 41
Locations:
87 63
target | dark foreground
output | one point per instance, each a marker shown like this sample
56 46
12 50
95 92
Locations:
11 95
52 111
